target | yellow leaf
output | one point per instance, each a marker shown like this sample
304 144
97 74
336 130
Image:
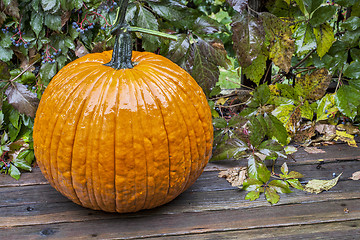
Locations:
324 35
313 86
317 186
274 90
221 101
343 136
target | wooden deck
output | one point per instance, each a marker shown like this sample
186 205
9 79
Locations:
211 209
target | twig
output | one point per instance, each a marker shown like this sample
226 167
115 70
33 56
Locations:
303 60
32 64
306 69
235 105
339 80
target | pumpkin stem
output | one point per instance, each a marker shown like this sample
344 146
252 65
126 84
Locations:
121 57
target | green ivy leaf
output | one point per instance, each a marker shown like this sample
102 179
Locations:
312 5
346 3
50 5
322 14
280 186
351 38
253 195
256 69
252 184
206 25
284 168
232 148
276 129
178 49
36 22
219 123
271 195
53 22
261 95
294 174
353 70
347 99
324 38
249 111
253 165
304 38
263 173
326 107
14 117
351 24
14 172
168 10
147 20
22 164
256 131
269 147
47 72
306 111
295 183
301 6
5 54
355 54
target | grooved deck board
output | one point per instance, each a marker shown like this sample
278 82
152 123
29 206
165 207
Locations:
211 209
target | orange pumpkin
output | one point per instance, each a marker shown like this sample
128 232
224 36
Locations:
122 140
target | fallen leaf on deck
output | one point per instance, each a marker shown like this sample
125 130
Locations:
326 129
355 176
317 186
290 150
236 176
343 136
313 150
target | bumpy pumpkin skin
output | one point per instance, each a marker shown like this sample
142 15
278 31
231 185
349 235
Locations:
122 140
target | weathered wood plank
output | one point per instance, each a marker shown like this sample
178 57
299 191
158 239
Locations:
28 178
148 224
44 209
13 196
338 230
332 153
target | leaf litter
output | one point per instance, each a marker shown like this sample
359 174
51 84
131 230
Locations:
235 176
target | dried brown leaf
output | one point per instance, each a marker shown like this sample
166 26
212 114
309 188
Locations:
313 150
65 17
80 50
355 176
235 176
12 9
